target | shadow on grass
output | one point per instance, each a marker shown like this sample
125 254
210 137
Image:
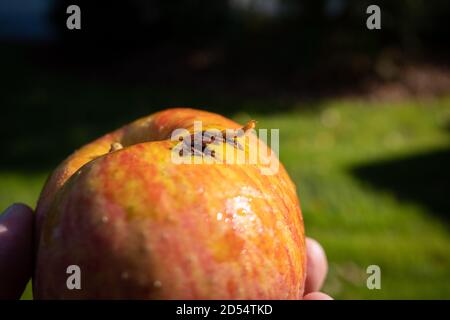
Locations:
423 178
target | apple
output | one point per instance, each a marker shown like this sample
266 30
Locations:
138 225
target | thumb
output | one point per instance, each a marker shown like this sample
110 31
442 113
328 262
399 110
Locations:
16 250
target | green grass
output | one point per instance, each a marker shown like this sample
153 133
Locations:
359 222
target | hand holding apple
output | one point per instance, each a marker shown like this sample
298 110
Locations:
140 226
16 250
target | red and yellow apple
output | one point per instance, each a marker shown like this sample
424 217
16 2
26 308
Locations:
140 226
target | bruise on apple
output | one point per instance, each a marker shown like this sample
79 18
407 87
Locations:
207 138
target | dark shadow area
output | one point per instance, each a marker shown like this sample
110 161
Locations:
306 48
47 113
422 178
66 87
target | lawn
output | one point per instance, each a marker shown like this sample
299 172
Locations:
371 178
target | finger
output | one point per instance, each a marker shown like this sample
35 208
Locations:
16 250
317 296
317 266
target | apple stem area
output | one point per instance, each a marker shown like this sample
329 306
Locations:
115 146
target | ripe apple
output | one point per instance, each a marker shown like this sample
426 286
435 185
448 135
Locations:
140 226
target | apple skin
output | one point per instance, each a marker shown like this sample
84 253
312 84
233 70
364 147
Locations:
141 227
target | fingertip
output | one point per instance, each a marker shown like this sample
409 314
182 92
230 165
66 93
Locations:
317 266
16 211
317 296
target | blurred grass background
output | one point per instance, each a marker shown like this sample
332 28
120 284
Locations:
364 117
